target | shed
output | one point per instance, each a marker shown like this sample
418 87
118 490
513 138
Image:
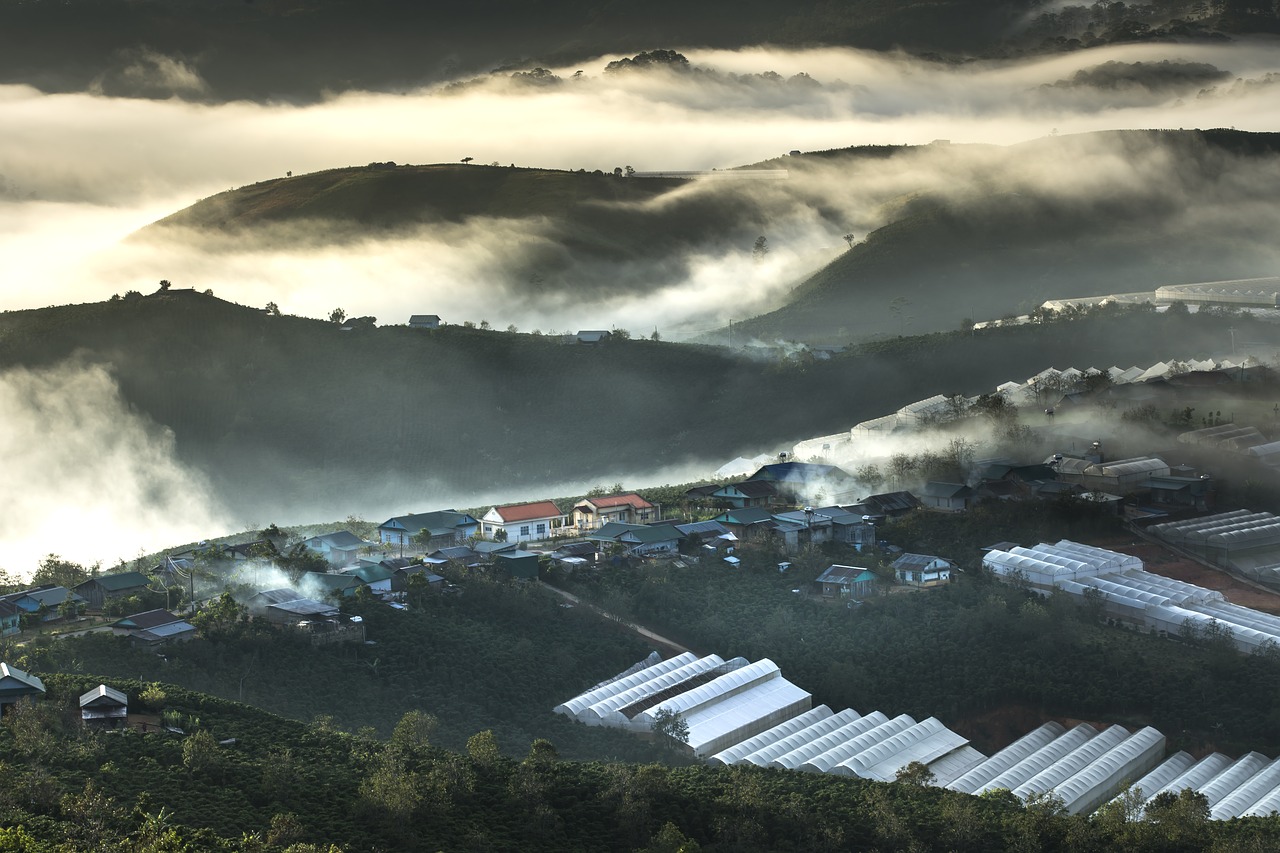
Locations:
847 582
16 684
105 707
293 612
173 632
922 570
519 564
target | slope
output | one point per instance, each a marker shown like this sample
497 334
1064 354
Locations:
993 248
293 419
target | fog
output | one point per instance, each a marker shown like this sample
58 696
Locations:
80 173
86 478
83 171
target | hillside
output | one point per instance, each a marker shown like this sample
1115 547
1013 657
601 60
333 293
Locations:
292 419
385 196
241 780
939 232
1001 250
282 49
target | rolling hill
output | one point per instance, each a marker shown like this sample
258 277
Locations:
953 231
293 419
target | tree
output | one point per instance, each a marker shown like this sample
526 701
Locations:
466 160
760 249
200 753
59 572
273 309
165 284
482 748
337 315
916 773
219 617
414 731
627 170
671 729
655 336
848 238
621 334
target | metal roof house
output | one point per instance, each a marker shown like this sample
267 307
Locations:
922 570
424 321
48 598
16 684
447 527
96 591
746 494
104 707
629 508
341 548
260 601
527 522
947 497
807 482
847 582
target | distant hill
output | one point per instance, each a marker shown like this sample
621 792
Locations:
293 419
966 231
982 255
283 49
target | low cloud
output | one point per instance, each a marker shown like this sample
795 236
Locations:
87 478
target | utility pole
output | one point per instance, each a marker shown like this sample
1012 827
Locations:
730 333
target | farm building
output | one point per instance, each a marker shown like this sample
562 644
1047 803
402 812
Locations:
105 707
1244 541
16 684
1131 595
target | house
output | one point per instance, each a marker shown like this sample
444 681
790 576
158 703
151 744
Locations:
10 618
746 494
810 527
748 523
104 707
947 497
807 482
922 570
424 321
258 603
486 549
849 526
518 564
847 582
142 622
589 336
173 632
890 504
377 578
446 527
461 554
629 508
525 522
97 591
1181 492
340 549
649 540
325 584
701 493
300 610
245 551
16 685
400 578
52 601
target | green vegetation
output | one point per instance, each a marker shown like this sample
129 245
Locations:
238 779
965 653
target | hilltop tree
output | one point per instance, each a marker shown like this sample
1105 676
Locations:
59 572
466 160
337 315
848 238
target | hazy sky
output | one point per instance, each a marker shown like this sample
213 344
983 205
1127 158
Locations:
81 172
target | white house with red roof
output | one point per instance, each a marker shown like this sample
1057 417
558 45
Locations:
594 513
523 522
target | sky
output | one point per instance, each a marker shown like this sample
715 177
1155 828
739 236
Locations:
80 172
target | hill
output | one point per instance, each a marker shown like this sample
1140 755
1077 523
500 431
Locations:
995 247
281 49
951 231
292 419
